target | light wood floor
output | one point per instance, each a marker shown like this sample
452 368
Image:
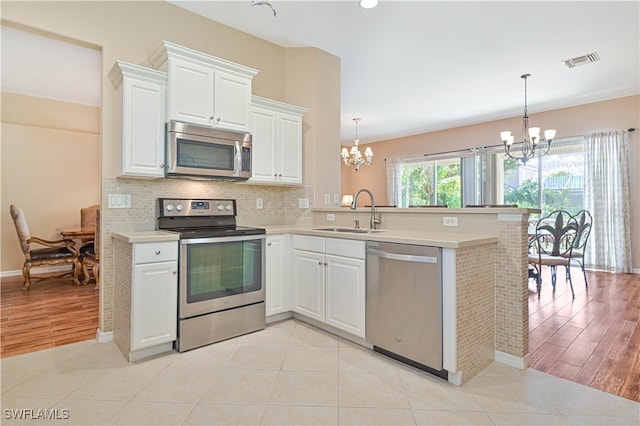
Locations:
52 313
593 340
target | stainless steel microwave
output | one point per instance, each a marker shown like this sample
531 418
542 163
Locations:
204 152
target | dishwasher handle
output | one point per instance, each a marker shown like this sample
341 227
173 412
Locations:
402 257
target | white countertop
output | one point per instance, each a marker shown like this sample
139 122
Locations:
145 236
423 238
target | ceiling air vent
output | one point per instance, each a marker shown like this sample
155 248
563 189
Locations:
581 60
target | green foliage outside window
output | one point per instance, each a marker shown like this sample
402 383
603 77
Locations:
421 188
526 195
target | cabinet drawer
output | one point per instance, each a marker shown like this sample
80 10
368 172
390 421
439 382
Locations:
346 248
155 252
308 243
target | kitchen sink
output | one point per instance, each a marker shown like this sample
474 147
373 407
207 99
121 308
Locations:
352 230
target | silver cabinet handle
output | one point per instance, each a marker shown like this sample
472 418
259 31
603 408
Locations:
269 244
326 264
218 119
174 272
211 117
157 251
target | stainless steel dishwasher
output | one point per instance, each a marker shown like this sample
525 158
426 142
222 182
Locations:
404 303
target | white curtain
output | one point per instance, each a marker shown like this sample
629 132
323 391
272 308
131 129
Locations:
607 198
393 181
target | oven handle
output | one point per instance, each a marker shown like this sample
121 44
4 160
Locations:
223 239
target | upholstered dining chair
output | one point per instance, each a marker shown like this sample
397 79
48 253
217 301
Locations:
90 258
552 245
39 252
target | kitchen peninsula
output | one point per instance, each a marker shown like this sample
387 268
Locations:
484 274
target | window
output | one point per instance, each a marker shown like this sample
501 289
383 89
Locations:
551 182
430 182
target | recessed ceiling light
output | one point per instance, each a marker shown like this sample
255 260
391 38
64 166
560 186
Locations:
368 4
581 60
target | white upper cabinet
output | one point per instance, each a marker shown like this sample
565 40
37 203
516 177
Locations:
205 90
140 115
277 142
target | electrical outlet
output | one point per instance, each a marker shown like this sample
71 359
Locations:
336 199
259 203
450 221
331 217
327 199
303 203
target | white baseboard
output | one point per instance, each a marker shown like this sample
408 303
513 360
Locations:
104 336
636 270
510 360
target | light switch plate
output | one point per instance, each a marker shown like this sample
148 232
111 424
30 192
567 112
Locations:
259 203
303 203
119 201
327 199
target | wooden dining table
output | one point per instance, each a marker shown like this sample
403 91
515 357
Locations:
78 232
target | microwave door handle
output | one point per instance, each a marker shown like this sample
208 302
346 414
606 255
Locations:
237 157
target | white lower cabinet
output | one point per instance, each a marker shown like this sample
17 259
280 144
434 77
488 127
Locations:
154 301
345 294
329 281
308 276
145 297
277 289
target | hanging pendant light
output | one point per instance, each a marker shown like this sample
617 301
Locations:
354 156
531 144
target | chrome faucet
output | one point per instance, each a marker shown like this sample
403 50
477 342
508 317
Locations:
374 220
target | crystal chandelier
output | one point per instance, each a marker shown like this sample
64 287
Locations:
354 157
527 148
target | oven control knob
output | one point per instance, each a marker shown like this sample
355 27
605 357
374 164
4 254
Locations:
220 207
179 207
169 207
229 207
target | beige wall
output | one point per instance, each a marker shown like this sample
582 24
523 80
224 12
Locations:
131 32
50 167
614 114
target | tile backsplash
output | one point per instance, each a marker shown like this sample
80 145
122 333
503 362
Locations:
280 207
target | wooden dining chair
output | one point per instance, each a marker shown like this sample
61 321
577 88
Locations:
40 252
90 258
552 245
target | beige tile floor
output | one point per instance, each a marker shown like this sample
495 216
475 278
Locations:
290 373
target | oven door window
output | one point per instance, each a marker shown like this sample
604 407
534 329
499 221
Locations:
203 155
218 270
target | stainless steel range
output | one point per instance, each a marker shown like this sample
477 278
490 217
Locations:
221 281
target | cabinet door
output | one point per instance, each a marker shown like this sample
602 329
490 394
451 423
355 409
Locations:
346 294
277 276
308 276
290 149
154 304
142 128
191 88
232 102
263 157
